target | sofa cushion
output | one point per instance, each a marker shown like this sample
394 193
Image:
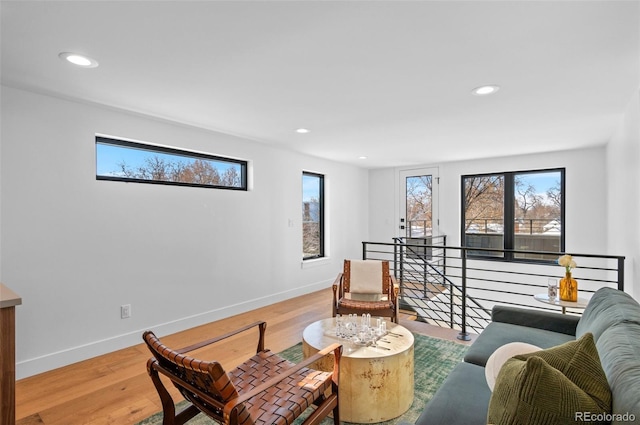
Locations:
497 334
619 350
579 361
551 386
607 308
530 392
462 399
531 318
501 355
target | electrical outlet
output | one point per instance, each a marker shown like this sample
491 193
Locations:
125 311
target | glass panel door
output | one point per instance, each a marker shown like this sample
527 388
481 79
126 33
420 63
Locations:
418 203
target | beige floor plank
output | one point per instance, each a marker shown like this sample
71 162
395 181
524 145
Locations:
115 388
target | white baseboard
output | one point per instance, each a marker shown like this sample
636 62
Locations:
50 361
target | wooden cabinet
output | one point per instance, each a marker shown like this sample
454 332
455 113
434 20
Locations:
8 302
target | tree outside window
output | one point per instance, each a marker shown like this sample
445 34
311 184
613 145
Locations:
514 211
312 215
419 206
119 160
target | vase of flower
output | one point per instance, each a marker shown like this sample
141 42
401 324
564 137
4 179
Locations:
568 285
568 288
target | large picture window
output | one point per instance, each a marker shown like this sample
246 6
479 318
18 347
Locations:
521 211
312 215
122 160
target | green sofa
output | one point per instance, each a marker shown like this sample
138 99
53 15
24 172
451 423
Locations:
612 316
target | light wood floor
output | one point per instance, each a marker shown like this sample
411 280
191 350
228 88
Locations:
115 388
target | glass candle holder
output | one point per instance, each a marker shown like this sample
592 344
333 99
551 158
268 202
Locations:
552 289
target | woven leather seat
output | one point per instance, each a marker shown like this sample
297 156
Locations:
366 286
266 389
367 306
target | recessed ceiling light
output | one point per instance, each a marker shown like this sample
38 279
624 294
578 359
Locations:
78 60
362 157
302 130
485 90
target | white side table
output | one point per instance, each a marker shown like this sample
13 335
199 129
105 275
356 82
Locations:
544 298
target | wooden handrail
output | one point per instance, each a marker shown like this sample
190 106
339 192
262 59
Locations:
8 302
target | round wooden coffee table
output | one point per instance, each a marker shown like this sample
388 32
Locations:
376 383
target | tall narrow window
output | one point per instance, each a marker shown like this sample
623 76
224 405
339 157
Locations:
521 211
419 216
538 223
312 215
483 221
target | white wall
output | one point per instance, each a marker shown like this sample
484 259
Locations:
623 203
585 180
384 204
586 221
76 248
1 183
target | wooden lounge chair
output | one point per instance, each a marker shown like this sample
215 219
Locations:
366 286
266 389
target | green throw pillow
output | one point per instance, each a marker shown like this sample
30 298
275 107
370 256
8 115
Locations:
563 384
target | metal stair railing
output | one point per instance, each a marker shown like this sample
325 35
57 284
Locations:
430 270
459 290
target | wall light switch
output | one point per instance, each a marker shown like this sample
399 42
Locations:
125 311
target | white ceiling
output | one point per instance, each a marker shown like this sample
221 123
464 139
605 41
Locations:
390 80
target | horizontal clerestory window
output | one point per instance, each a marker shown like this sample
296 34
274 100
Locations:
120 160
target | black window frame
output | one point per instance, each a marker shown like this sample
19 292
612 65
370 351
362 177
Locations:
170 151
509 215
321 213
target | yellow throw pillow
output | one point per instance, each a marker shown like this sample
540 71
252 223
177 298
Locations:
563 384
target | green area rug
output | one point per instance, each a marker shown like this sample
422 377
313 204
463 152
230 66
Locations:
434 359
